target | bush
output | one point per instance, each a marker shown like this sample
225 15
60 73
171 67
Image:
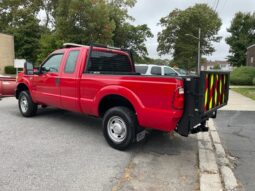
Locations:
253 81
10 70
242 76
216 67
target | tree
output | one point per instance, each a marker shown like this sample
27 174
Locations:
242 32
18 17
125 34
77 21
84 21
105 22
148 60
173 39
134 37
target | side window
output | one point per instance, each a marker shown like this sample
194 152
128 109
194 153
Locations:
169 72
71 61
156 70
53 63
141 69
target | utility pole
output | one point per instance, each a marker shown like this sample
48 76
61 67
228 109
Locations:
199 49
199 52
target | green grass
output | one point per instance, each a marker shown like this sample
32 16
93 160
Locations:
248 92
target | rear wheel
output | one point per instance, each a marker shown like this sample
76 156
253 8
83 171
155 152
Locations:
26 106
119 125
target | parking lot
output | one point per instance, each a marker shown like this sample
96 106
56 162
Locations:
60 150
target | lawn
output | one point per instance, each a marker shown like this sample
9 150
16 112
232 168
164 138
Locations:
248 92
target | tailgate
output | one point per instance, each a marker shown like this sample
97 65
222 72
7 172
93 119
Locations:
204 95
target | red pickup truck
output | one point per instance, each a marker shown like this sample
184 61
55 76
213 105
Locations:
101 81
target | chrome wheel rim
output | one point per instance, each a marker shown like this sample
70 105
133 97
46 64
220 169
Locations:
23 104
117 129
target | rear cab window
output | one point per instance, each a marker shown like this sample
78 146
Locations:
108 62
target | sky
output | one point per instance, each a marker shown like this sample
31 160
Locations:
150 11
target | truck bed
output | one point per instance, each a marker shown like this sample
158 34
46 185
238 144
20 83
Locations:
151 96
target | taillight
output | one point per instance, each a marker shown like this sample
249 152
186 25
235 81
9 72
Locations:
178 102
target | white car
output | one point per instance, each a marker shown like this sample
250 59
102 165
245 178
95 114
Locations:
151 69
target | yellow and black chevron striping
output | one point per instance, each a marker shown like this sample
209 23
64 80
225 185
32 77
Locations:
216 89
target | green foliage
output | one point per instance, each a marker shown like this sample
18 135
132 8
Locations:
148 60
242 75
18 17
125 34
133 37
77 21
47 44
216 67
84 21
253 81
248 92
173 39
9 70
242 35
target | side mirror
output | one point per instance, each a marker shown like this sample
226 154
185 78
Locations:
29 68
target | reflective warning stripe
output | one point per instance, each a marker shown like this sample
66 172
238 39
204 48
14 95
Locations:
211 91
216 91
206 92
220 89
224 82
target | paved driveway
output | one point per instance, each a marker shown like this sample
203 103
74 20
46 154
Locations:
60 150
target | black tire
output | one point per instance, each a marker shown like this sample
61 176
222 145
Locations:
124 116
31 107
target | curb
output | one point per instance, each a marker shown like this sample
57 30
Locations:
215 168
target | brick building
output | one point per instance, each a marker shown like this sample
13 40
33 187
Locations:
6 51
250 58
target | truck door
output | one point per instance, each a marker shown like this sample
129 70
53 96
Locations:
69 81
47 90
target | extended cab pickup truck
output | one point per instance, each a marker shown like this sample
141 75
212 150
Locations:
101 81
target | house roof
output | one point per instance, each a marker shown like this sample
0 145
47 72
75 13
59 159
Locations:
251 46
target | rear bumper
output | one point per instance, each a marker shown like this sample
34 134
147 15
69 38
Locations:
204 95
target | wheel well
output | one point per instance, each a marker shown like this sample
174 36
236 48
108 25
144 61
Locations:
113 101
20 88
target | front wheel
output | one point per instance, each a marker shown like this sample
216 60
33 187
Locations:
119 125
26 105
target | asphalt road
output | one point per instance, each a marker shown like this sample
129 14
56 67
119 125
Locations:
237 133
60 150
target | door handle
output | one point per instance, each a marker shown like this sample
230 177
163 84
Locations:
57 81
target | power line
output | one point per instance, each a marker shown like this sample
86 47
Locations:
212 4
225 2
217 4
